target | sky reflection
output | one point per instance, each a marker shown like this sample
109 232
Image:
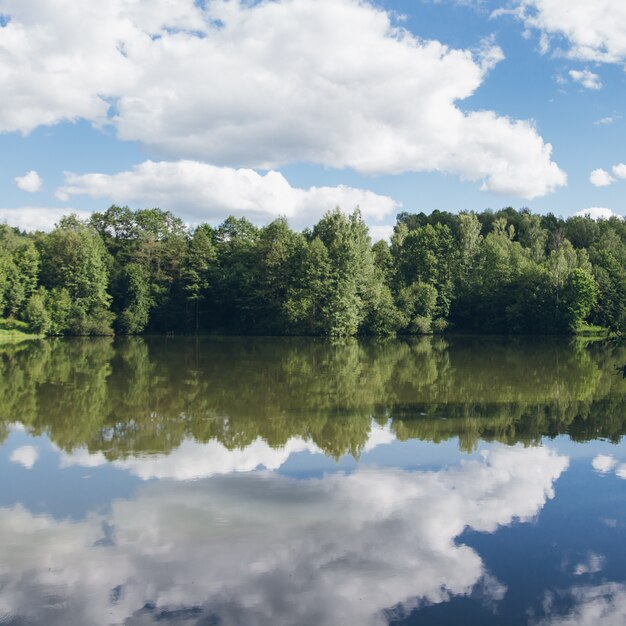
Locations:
259 548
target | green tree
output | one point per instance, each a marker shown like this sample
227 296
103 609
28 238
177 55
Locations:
306 298
36 314
280 255
608 258
134 289
580 296
469 242
352 271
59 306
74 258
235 275
19 269
196 279
418 305
157 242
532 235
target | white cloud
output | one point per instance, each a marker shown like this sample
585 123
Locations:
37 218
198 191
595 563
193 460
595 30
619 170
605 121
587 79
601 605
600 178
31 181
263 549
381 231
603 463
260 85
81 457
379 436
598 213
25 455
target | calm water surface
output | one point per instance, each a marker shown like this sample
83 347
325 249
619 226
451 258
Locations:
260 482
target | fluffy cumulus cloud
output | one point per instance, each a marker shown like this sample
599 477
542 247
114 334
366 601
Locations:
193 460
598 213
586 78
593 30
199 191
25 455
619 171
31 181
260 85
263 549
600 178
36 218
604 464
600 605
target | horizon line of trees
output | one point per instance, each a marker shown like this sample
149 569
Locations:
131 272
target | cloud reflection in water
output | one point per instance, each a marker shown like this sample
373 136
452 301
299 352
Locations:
193 460
261 549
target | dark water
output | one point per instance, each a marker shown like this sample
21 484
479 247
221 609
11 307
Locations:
300 482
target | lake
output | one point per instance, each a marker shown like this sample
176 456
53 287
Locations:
286 481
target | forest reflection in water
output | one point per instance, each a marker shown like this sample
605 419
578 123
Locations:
206 481
149 395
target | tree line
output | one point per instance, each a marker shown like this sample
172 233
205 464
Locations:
144 271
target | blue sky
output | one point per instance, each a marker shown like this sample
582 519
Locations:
294 106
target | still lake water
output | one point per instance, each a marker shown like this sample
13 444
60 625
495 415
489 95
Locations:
260 482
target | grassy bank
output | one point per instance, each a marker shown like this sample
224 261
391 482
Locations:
589 330
14 330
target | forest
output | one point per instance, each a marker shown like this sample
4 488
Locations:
142 271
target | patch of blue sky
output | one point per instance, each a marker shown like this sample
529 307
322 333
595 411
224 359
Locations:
47 488
51 150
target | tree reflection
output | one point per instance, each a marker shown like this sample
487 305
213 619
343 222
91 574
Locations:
128 396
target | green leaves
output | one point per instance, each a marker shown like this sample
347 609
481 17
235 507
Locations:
19 268
138 271
74 259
